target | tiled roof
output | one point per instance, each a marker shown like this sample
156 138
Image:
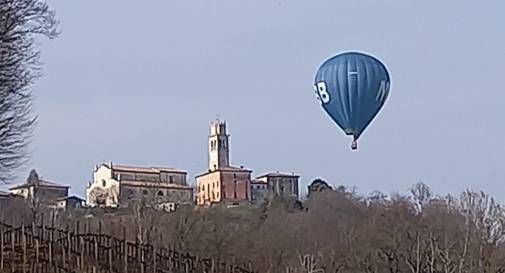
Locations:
42 183
69 197
233 168
277 174
139 169
154 185
227 168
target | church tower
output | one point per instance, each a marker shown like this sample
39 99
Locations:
219 150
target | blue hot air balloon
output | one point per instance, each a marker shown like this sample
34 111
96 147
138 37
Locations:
352 88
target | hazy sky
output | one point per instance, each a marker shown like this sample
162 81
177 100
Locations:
137 82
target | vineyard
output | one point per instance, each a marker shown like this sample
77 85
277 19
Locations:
41 248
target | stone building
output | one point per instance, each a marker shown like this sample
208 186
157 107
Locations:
4 198
119 185
260 191
222 182
278 184
39 188
67 203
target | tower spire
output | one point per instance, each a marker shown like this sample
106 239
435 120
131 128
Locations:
219 153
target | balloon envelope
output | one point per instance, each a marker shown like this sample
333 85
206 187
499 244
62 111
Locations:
352 88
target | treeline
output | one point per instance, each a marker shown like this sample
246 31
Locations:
333 231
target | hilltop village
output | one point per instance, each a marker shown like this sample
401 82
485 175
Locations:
166 188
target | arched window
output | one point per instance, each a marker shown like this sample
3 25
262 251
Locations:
104 183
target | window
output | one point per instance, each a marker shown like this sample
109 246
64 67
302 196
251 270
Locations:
104 183
130 194
235 175
171 179
144 192
160 193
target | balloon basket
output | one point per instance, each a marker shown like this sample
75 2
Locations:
354 145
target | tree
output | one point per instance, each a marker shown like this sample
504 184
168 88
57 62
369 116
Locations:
421 195
33 180
318 185
21 21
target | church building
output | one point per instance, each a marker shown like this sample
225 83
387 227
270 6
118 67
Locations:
222 182
117 185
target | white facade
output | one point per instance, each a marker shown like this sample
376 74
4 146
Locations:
104 189
119 185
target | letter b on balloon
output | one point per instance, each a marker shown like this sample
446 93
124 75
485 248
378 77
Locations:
321 92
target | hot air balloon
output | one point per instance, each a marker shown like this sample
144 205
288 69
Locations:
352 88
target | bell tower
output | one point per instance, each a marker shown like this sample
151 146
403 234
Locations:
219 150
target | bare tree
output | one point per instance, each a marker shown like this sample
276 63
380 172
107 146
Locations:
33 196
421 195
20 22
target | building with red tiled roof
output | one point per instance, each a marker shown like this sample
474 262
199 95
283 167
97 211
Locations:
222 182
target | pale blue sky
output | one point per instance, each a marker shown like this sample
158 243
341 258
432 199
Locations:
137 82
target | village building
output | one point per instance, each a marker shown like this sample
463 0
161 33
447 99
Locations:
222 182
5 198
278 184
116 185
260 192
39 188
67 203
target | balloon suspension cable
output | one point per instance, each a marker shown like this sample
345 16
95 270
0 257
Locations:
354 145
